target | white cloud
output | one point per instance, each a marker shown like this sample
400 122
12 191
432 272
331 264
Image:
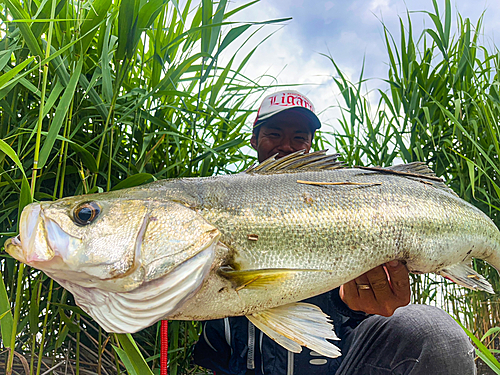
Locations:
380 6
329 5
348 32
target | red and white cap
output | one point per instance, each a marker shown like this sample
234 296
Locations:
283 100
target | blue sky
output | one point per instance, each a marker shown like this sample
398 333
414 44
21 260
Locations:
347 30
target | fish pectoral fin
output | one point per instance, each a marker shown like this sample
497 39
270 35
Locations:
464 275
258 278
298 324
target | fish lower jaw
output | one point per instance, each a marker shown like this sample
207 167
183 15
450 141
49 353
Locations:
129 312
14 249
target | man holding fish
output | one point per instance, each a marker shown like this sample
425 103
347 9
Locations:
254 243
380 333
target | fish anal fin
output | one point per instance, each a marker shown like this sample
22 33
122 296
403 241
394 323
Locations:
464 275
298 324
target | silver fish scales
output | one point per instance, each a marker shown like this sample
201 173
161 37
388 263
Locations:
253 243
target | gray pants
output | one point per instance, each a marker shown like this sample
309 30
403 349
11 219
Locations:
416 340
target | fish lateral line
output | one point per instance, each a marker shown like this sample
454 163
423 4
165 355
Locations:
320 183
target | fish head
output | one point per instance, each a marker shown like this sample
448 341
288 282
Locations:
109 241
128 262
78 232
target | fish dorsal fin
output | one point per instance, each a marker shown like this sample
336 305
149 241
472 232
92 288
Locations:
416 170
416 167
298 161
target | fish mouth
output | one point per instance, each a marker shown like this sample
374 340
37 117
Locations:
129 312
40 239
29 221
14 248
18 246
59 241
25 247
13 242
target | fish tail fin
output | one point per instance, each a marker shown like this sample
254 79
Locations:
298 324
464 275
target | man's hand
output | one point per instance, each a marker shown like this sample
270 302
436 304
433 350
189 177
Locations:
379 291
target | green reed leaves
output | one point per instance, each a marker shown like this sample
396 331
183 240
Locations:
97 96
126 92
441 107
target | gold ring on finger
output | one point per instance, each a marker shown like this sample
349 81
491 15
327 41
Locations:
364 286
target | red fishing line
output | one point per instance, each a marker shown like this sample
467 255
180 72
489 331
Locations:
164 347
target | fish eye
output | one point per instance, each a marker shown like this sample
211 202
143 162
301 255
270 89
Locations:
86 213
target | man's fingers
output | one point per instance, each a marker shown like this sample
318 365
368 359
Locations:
379 291
400 280
379 283
350 289
358 299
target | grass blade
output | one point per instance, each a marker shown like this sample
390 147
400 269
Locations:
7 319
61 111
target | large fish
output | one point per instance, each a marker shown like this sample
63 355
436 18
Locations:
252 243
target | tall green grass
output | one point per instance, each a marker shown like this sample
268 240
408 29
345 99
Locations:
442 106
104 95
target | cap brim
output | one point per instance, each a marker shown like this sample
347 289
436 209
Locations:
314 122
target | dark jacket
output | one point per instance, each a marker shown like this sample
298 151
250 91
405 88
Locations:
234 346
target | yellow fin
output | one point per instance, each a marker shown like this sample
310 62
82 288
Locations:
259 278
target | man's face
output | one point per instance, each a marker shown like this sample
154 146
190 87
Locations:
285 133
